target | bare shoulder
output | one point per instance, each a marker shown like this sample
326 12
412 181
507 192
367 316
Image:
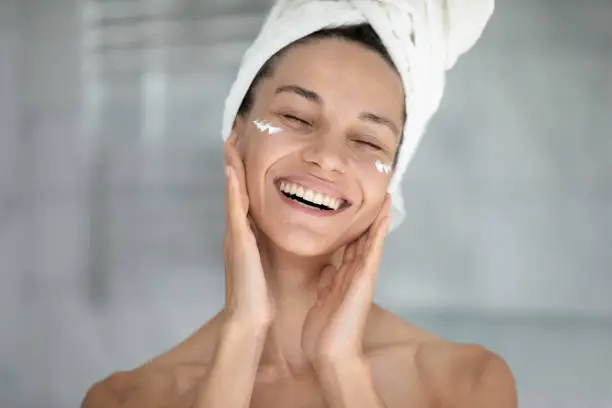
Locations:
151 386
120 387
198 348
413 366
465 375
171 375
109 392
385 329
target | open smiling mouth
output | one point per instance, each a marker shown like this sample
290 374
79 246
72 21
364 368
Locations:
310 198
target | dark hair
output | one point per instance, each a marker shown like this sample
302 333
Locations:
362 33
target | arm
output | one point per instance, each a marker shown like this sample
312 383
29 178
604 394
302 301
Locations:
229 381
248 310
348 385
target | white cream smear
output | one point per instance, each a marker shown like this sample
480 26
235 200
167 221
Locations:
383 167
266 126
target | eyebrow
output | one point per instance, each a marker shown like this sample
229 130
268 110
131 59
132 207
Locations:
314 97
379 120
304 93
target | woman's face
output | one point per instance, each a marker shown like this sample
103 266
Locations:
339 107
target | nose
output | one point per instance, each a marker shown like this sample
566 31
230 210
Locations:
325 153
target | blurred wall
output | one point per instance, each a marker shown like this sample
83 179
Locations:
111 201
112 115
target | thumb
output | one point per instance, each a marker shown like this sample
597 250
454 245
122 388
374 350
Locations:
326 277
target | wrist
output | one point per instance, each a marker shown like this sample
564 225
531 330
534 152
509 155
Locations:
242 323
350 355
348 382
339 365
243 332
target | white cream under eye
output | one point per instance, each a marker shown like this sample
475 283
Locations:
264 126
383 168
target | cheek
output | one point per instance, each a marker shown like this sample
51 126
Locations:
374 184
261 152
374 175
264 143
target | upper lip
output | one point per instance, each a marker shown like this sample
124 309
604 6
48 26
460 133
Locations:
316 184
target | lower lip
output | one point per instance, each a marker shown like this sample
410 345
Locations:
308 210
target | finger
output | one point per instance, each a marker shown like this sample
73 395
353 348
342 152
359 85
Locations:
349 252
382 214
326 278
375 253
251 223
357 266
328 283
236 213
235 161
362 246
384 211
236 197
227 238
322 296
228 201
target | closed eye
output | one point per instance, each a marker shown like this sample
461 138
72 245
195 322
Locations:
368 144
296 119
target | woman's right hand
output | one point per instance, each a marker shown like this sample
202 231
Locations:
247 300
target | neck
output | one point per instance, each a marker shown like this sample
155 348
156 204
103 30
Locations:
292 282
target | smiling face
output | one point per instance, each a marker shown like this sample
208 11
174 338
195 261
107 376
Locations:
339 107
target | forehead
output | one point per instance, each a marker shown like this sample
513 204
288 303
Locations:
345 73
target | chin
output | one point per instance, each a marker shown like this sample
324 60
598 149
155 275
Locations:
300 241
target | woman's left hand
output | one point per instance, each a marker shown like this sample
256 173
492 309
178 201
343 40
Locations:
334 326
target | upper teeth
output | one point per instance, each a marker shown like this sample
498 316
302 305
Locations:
311 195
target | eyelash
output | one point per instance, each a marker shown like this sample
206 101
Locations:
369 144
306 123
296 119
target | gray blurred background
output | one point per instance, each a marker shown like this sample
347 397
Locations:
111 193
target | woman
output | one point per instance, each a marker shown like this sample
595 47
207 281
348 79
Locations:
320 124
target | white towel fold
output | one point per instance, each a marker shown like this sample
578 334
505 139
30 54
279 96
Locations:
423 37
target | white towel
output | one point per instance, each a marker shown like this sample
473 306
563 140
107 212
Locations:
423 37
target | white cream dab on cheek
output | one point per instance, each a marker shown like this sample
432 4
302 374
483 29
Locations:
263 126
386 168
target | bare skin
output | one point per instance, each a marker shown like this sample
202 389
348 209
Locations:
410 368
299 327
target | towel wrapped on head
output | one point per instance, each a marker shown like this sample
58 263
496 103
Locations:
423 37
